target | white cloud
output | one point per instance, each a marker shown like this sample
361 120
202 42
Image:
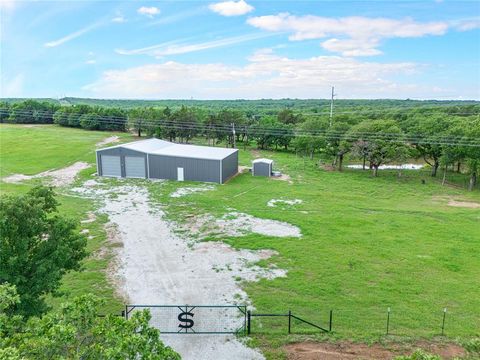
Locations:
149 11
8 5
180 47
362 35
73 35
266 75
231 8
352 47
13 87
119 19
467 24
90 62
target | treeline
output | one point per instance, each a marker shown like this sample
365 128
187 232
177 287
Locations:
443 135
79 116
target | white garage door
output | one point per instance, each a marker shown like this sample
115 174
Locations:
111 166
134 167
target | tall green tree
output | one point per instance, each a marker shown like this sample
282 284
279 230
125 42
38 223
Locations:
381 141
335 145
37 247
426 134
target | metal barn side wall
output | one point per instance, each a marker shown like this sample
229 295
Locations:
229 166
165 167
261 169
122 152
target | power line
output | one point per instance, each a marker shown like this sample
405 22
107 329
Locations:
281 132
331 135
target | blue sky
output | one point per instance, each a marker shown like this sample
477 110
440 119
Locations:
240 49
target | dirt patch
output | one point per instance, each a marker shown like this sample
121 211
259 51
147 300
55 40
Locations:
274 202
347 350
108 140
283 177
255 153
455 201
91 217
464 204
242 169
238 224
183 191
60 177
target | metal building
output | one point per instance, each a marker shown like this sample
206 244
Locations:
262 167
159 159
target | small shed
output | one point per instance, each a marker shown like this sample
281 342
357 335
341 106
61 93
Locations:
262 167
159 159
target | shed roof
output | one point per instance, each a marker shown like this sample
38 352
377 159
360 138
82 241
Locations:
266 161
162 147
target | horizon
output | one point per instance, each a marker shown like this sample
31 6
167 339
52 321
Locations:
240 50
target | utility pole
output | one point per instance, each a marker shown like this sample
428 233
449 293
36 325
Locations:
233 134
331 105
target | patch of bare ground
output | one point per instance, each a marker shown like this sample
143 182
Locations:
358 351
59 177
465 204
242 169
108 140
111 248
457 202
283 177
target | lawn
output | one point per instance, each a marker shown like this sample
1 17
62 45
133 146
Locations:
368 243
33 149
30 149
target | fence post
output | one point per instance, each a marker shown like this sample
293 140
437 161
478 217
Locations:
388 319
248 322
443 321
126 312
289 321
330 322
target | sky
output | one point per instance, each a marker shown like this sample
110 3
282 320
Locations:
240 49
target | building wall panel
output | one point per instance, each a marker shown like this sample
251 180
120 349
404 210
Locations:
229 166
165 167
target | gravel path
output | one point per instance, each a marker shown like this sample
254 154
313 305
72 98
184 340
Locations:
158 267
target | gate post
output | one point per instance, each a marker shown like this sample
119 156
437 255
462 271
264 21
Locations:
289 321
248 322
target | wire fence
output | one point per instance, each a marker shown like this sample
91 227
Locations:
381 322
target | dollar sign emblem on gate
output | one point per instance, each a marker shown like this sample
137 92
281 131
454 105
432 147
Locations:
183 317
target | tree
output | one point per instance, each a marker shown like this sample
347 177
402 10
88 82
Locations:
76 331
286 116
32 112
468 131
381 141
426 133
310 136
89 121
336 146
37 247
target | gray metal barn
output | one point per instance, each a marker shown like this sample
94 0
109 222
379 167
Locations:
159 159
262 167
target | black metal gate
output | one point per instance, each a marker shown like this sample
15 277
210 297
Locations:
195 319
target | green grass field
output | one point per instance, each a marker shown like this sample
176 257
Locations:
368 243
33 149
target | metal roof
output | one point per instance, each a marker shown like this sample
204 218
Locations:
267 161
162 147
